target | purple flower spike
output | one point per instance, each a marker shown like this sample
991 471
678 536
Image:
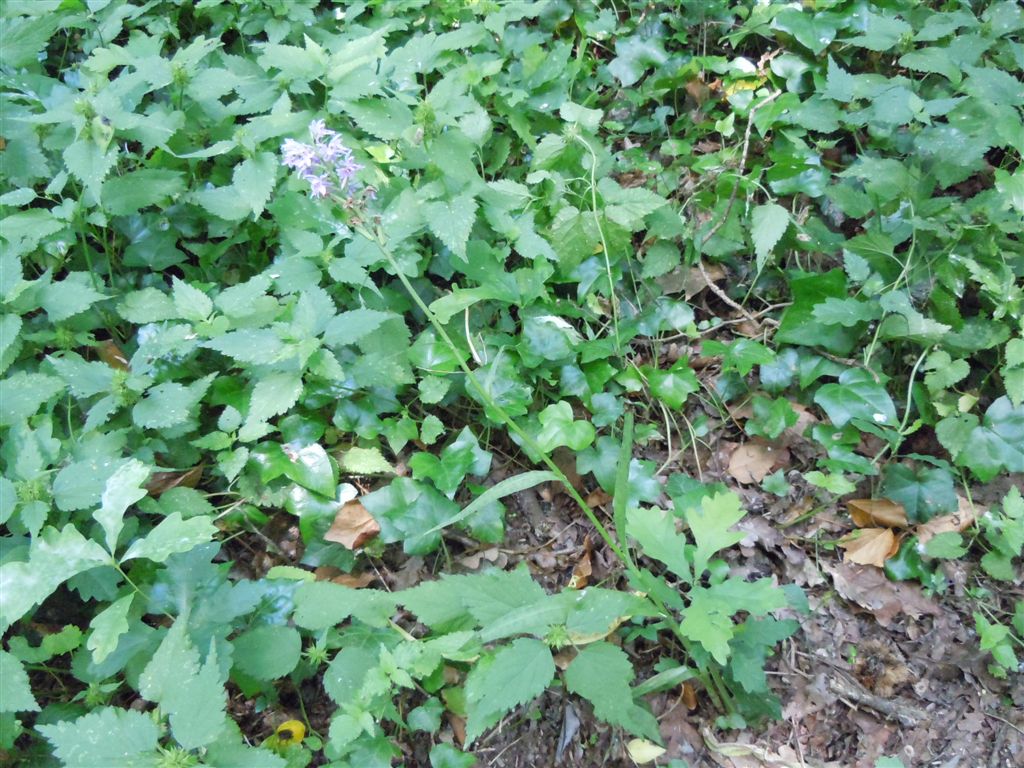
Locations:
319 186
318 129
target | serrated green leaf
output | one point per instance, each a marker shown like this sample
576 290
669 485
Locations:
190 302
21 395
170 536
150 305
847 312
451 221
191 693
514 675
366 461
90 164
68 297
768 223
169 404
274 394
628 206
106 736
267 652
15 690
139 189
601 673
349 327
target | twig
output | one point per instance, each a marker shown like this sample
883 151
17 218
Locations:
905 714
684 335
728 209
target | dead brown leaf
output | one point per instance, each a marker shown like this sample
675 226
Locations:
598 498
353 526
870 546
959 521
870 512
689 696
870 588
112 355
583 569
752 461
354 580
161 482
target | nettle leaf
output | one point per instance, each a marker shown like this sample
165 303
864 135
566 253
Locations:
452 220
15 690
924 492
322 604
273 394
768 223
54 557
106 736
139 189
673 386
21 395
89 163
512 676
349 327
150 305
169 404
84 379
267 652
191 693
856 396
628 206
190 302
68 297
601 673
477 600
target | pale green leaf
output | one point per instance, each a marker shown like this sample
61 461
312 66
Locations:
768 223
107 627
103 738
601 673
451 221
267 652
124 488
192 304
15 690
171 536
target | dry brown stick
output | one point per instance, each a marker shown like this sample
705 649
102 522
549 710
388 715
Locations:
905 714
728 209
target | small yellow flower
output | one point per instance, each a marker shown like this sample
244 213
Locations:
290 732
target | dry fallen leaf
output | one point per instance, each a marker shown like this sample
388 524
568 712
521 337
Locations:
870 546
582 570
872 512
752 461
354 581
959 521
161 482
112 355
689 696
353 526
872 589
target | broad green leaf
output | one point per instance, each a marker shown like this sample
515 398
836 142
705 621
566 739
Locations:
124 488
15 691
798 326
514 675
107 627
768 223
171 535
267 652
54 557
480 598
21 395
84 379
601 673
105 737
924 492
857 396
139 189
80 485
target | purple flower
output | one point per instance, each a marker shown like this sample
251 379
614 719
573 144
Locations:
319 186
318 129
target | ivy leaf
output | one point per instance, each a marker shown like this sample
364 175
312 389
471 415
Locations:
924 492
267 652
601 673
558 428
514 675
106 736
191 693
409 511
15 691
675 385
768 223
857 396
451 221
